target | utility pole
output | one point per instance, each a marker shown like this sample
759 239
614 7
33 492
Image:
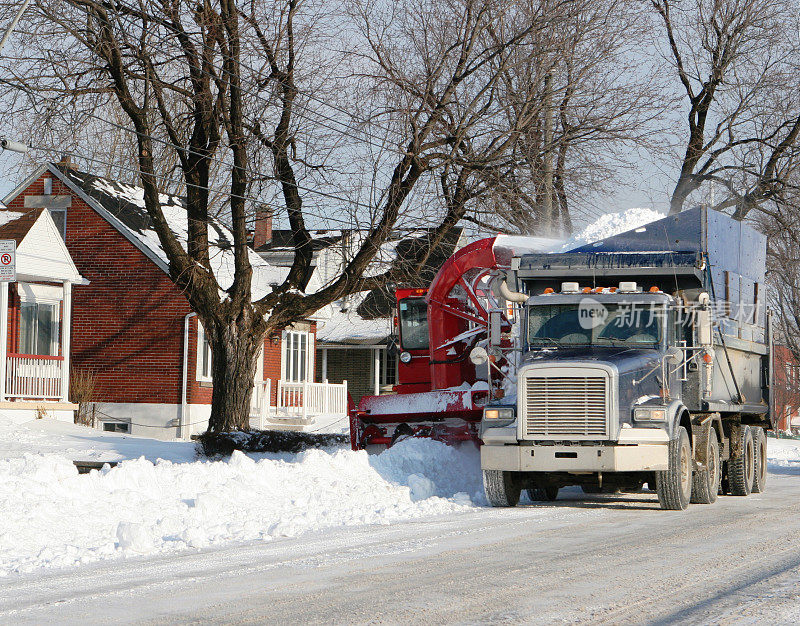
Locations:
7 144
14 22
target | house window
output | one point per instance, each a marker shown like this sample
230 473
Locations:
116 427
60 218
388 367
298 356
38 328
203 355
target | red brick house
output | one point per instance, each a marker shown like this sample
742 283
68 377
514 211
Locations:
134 329
786 389
35 320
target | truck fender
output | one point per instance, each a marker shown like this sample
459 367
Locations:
701 430
678 415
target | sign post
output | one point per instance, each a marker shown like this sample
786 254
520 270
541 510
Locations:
8 273
8 260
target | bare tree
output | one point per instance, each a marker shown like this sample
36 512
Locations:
596 101
225 98
736 64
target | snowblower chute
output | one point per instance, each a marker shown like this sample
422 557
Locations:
440 393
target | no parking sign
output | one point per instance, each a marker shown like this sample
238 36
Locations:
8 260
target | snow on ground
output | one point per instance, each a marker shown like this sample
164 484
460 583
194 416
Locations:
161 498
783 453
54 517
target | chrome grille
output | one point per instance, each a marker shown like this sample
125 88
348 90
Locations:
566 406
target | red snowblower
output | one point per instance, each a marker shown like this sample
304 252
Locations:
440 392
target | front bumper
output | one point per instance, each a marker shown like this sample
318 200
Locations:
642 457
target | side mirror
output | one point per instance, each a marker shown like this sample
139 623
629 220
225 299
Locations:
478 355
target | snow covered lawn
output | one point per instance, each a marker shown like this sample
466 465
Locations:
167 500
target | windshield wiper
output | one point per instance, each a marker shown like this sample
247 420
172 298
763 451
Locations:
555 342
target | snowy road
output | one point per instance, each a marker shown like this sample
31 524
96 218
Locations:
605 559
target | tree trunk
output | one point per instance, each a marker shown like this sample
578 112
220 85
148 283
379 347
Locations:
234 349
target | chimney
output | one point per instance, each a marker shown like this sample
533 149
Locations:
263 231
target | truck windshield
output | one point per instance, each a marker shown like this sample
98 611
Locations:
413 323
593 323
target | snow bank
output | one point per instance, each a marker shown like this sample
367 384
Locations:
612 224
783 453
55 518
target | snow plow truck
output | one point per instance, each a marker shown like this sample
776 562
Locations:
641 359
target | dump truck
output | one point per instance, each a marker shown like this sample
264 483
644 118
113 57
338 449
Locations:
641 359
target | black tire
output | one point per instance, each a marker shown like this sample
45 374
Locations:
543 494
706 481
760 460
501 488
741 467
674 485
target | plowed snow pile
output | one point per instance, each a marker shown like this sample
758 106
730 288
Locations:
52 517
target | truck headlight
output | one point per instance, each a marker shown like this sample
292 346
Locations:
502 413
653 415
405 357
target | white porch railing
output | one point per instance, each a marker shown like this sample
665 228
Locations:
298 400
34 377
259 404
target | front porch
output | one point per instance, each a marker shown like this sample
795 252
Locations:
34 348
296 404
35 319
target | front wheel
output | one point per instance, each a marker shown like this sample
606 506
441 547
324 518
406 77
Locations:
674 485
759 460
501 488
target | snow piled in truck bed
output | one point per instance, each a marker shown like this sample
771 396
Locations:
612 224
54 517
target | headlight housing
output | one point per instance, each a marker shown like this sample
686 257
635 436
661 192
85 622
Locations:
405 357
503 413
650 414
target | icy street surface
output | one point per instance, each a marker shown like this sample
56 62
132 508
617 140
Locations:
385 539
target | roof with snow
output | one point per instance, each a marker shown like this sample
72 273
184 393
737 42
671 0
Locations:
123 207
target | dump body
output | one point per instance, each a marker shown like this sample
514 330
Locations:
629 343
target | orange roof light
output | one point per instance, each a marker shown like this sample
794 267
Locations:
587 290
549 290
598 290
612 289
654 289
420 292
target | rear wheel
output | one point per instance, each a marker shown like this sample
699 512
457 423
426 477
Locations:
759 460
674 485
502 488
543 494
741 467
705 482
